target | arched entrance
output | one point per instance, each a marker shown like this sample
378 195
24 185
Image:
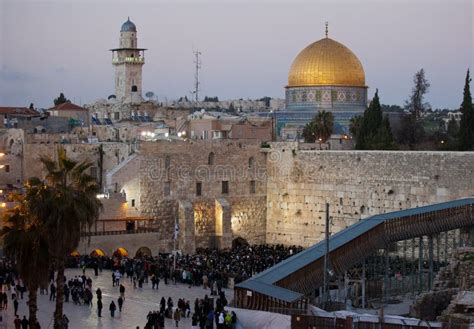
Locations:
143 252
121 252
239 242
97 253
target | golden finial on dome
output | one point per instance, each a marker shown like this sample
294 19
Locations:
327 29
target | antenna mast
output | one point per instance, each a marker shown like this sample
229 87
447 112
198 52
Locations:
197 62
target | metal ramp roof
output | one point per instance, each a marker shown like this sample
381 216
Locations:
260 282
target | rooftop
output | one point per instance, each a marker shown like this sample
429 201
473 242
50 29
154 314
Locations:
20 111
68 106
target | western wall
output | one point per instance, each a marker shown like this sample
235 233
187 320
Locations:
356 184
215 190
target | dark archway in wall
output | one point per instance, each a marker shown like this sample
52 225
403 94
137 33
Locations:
239 242
134 88
143 252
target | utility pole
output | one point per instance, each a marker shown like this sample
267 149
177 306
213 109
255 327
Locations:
326 256
197 62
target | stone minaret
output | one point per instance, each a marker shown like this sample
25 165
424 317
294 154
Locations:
128 60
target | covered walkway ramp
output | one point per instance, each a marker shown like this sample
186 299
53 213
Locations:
288 284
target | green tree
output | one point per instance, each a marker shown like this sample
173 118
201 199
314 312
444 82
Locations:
370 122
383 138
453 128
372 131
320 128
411 131
354 126
415 103
466 126
68 209
25 244
309 132
61 99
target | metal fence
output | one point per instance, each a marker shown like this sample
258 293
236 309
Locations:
318 322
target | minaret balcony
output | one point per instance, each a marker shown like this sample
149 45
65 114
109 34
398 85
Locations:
130 60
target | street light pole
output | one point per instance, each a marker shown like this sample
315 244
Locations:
326 255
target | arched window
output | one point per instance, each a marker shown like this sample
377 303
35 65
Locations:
251 162
134 88
210 158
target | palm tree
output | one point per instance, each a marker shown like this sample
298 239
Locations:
68 210
324 122
354 126
309 132
320 128
25 244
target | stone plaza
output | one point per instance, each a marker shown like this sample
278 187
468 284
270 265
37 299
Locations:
138 302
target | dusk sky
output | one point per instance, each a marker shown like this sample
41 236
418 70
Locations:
247 46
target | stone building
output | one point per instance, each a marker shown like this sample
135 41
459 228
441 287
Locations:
214 189
216 125
218 190
75 113
15 116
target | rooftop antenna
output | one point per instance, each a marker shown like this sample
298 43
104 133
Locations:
197 62
327 29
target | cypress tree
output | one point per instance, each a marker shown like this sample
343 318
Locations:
61 99
466 127
383 139
371 121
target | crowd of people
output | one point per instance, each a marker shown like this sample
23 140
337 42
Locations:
212 269
209 267
204 316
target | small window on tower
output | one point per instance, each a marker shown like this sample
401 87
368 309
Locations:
134 89
225 187
198 189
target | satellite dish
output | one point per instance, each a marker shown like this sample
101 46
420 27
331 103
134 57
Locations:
150 94
111 96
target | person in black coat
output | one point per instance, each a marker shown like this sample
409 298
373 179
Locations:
99 307
15 306
24 323
98 292
120 303
112 309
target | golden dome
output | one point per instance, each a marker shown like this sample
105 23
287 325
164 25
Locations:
326 63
